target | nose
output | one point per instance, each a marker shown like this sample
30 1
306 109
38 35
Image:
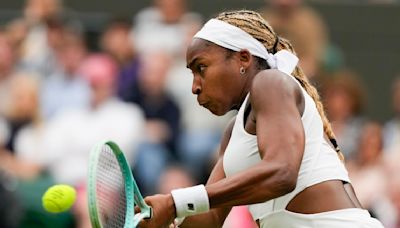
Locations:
196 85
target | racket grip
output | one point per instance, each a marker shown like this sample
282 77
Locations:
150 213
178 221
142 215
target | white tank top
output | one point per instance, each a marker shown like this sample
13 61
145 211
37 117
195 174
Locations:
320 161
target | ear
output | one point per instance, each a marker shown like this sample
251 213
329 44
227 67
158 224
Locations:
245 58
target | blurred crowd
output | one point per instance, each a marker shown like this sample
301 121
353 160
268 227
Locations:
59 96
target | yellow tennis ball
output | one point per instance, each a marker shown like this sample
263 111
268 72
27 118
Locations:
58 198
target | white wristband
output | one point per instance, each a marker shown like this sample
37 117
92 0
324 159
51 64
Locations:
190 201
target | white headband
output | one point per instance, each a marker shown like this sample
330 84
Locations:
235 39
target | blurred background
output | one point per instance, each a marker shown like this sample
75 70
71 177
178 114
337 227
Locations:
73 73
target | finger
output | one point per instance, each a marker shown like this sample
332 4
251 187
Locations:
148 199
142 224
137 209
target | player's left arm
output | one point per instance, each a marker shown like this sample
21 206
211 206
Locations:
280 136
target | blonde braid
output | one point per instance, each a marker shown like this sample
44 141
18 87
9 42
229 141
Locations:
255 25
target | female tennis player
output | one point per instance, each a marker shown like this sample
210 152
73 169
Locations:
278 155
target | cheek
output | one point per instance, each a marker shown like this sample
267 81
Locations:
215 90
222 80
228 89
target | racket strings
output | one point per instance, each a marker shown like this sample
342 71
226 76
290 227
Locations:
111 199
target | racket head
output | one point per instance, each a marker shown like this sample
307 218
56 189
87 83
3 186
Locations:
112 191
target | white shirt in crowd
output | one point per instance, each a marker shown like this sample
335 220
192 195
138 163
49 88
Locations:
66 142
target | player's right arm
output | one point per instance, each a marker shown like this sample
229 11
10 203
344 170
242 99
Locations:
215 217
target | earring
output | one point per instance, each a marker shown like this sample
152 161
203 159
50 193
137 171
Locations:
242 70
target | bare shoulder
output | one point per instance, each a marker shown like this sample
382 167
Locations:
272 81
275 85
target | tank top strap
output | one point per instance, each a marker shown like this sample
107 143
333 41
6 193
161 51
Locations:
240 115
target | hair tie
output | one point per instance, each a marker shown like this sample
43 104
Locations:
337 149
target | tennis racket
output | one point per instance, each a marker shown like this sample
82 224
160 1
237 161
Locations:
112 190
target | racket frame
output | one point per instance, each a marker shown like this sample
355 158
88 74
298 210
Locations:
132 193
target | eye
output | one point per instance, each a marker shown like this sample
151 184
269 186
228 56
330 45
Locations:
201 68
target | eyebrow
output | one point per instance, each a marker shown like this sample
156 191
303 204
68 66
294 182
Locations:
193 61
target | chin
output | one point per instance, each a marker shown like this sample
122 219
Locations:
217 112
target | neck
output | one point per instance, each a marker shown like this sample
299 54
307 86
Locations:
246 87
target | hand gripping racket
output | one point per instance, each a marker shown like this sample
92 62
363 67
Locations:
112 190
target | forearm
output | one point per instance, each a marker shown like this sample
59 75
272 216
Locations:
258 184
213 218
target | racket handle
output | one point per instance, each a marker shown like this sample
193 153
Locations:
149 214
178 221
142 215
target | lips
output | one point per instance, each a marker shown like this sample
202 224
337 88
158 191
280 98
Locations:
202 103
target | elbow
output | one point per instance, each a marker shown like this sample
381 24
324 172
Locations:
286 180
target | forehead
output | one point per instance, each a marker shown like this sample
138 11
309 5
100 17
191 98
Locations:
202 48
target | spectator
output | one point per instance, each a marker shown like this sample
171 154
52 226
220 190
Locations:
22 107
17 31
65 88
392 127
391 211
8 57
40 17
116 41
344 98
162 120
44 21
162 113
168 19
72 134
26 128
291 18
367 170
174 177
